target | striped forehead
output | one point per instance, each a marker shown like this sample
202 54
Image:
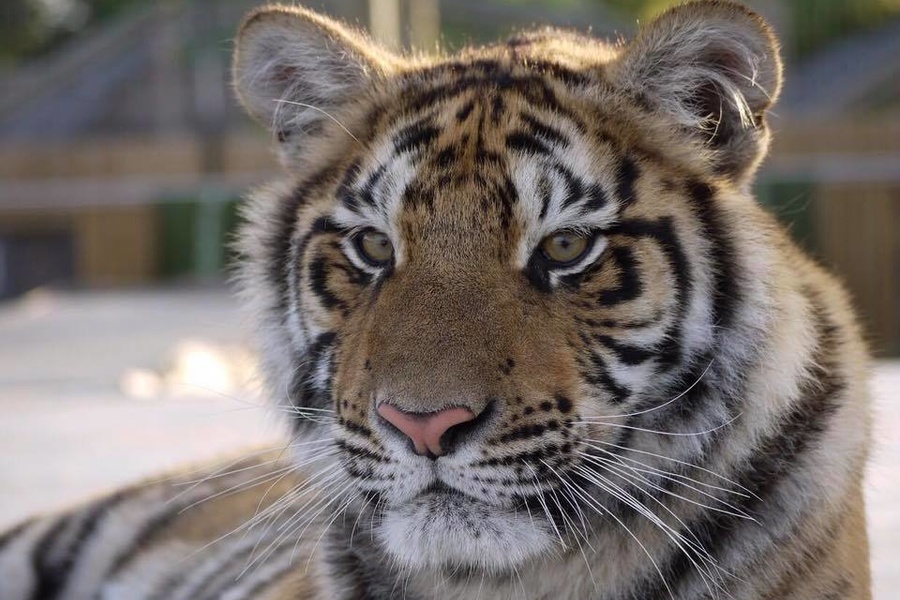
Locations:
371 193
561 178
564 180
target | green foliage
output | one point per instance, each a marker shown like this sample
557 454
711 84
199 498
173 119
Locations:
817 22
21 29
29 28
184 251
813 23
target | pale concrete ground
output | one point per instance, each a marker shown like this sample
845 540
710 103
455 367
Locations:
68 426
81 410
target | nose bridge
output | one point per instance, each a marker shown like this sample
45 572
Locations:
437 340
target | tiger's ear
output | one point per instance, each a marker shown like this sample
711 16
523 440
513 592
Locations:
293 69
713 68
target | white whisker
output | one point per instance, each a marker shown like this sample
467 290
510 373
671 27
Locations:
672 433
319 110
664 404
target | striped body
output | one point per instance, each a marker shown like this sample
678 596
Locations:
675 409
170 539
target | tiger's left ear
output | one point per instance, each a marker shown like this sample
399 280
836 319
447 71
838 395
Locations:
713 68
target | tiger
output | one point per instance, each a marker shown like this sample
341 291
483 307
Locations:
532 333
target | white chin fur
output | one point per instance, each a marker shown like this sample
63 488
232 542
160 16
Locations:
440 531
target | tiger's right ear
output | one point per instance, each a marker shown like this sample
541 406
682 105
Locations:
293 69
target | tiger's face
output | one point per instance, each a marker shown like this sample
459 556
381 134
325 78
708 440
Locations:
489 269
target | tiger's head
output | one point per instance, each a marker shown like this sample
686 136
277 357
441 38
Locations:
485 270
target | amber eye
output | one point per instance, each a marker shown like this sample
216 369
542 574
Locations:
564 247
375 247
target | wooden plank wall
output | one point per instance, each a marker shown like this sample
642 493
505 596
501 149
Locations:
859 238
857 223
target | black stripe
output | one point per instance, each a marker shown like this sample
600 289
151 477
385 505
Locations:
303 392
520 141
545 194
503 194
11 534
447 157
617 324
569 77
346 193
727 289
321 226
596 372
774 458
47 587
464 111
354 427
627 354
693 388
630 284
537 273
596 197
360 452
574 189
144 532
354 275
227 574
497 107
367 187
279 242
662 231
535 89
543 131
54 563
417 195
523 432
420 99
319 272
627 173
415 136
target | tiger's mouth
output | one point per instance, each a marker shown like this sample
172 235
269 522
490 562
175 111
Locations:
445 528
440 488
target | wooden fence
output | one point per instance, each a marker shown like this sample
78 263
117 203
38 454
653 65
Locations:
837 185
843 180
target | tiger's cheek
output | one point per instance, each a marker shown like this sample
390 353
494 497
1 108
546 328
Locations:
331 287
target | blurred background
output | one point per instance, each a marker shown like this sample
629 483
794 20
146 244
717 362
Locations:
123 154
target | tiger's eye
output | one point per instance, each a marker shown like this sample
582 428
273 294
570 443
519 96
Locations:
375 247
564 247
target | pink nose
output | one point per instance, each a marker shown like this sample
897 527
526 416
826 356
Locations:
425 429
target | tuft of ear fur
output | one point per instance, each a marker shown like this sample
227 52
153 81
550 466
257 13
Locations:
293 69
713 68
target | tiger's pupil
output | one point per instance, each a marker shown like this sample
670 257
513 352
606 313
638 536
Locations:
564 247
376 247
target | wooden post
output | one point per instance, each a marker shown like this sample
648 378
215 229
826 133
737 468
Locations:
425 25
384 22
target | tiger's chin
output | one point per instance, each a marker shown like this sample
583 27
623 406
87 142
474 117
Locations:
439 531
